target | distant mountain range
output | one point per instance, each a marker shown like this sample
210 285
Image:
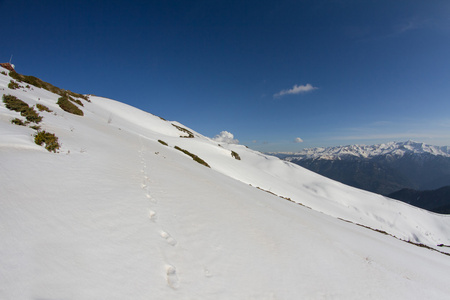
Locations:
383 168
392 149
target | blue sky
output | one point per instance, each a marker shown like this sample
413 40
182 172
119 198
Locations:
273 73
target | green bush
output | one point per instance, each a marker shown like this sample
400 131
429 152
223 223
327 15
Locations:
17 121
76 95
45 85
35 81
77 101
42 107
47 138
68 106
190 134
3 72
13 103
13 85
235 155
194 157
35 127
162 142
31 115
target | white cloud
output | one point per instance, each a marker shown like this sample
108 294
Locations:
298 140
226 137
296 89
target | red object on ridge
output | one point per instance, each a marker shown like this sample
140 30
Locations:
7 66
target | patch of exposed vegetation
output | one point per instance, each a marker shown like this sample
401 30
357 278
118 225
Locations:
282 197
13 85
66 99
35 81
68 106
41 137
47 138
194 157
77 95
267 191
31 115
235 155
42 107
45 85
162 142
77 101
18 121
385 233
189 133
15 104
3 72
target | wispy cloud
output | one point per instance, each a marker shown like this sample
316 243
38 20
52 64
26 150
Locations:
298 140
406 26
296 89
395 30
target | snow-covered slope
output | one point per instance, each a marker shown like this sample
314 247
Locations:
396 149
119 213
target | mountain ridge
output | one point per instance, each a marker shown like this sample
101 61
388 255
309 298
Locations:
396 149
382 169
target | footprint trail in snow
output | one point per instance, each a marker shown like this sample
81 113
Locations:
171 271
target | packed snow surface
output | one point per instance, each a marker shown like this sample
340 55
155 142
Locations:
119 213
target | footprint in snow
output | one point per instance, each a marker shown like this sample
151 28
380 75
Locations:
172 278
207 272
145 182
149 197
152 215
169 239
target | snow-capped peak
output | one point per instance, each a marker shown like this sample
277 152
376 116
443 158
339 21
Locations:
396 149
